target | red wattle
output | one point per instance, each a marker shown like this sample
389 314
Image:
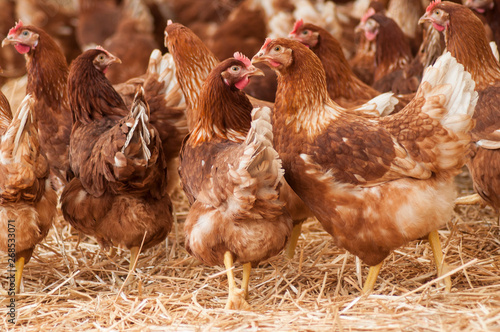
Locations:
22 49
241 84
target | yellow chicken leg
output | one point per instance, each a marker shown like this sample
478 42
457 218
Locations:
292 242
247 268
371 278
236 298
22 258
19 273
438 257
469 200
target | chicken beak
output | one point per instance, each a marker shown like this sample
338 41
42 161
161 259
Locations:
113 60
259 57
8 40
424 19
254 71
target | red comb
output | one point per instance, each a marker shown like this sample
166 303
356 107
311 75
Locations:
367 15
432 5
239 56
18 26
297 25
268 40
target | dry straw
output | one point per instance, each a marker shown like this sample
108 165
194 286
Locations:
71 284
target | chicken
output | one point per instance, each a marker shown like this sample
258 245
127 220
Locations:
363 62
133 46
490 11
232 175
47 68
193 62
466 40
28 204
97 21
374 184
243 31
406 14
343 86
119 192
55 17
392 51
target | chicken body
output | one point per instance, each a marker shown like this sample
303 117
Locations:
392 51
47 75
374 184
47 67
466 40
119 193
27 201
232 175
193 63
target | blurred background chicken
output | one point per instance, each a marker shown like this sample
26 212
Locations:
27 200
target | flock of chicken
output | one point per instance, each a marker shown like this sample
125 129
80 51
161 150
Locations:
376 169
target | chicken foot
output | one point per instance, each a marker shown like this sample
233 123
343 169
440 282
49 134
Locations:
294 238
236 297
441 266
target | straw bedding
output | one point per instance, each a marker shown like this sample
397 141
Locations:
70 283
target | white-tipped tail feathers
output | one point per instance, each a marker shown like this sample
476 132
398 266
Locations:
381 105
448 79
259 172
164 66
140 114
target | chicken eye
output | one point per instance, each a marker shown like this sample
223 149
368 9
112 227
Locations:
235 68
100 57
277 48
437 12
305 32
25 33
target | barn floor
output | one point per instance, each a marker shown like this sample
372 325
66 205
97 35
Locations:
71 284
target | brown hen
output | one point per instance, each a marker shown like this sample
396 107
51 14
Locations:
466 40
119 192
28 204
232 175
47 76
374 184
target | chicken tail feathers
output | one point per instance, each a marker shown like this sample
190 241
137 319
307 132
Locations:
139 130
21 121
162 68
449 84
258 174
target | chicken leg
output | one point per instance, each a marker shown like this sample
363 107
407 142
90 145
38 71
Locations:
371 278
247 268
236 297
469 200
294 238
21 258
438 257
